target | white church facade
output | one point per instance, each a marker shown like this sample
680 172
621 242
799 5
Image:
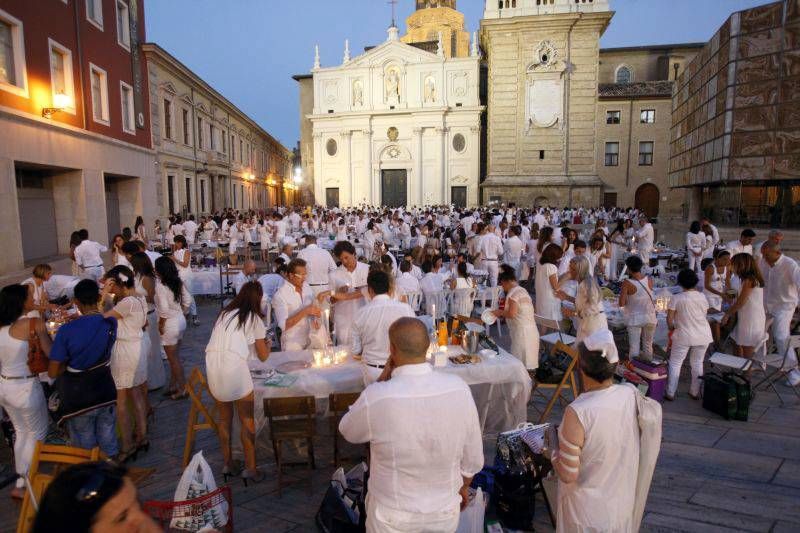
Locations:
397 126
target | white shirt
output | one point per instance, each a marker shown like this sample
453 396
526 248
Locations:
406 282
513 250
190 230
59 286
287 302
153 256
490 246
87 254
240 279
736 247
271 283
319 264
781 284
371 328
357 279
424 436
166 306
645 237
691 322
432 282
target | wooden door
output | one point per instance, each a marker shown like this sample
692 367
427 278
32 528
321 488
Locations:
610 200
394 188
647 200
458 196
332 197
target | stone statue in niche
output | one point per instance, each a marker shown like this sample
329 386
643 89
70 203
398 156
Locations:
358 93
393 84
430 89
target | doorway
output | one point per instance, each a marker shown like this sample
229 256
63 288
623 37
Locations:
112 209
332 197
458 196
394 189
609 200
647 200
37 217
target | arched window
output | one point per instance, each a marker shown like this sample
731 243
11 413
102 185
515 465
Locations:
624 74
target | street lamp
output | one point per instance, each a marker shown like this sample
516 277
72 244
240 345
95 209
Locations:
298 176
61 101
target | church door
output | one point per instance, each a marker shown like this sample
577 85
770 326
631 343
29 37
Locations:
332 197
647 200
393 188
458 196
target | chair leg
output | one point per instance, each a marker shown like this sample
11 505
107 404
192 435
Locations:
276 446
311 459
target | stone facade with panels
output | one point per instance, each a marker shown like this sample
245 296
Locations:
736 120
434 17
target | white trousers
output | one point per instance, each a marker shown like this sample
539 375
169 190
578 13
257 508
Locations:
676 358
370 374
24 402
641 338
493 268
381 519
94 273
644 253
695 262
781 331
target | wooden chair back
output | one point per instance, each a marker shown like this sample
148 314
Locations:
295 406
200 416
340 402
567 380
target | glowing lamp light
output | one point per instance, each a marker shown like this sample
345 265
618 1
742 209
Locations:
61 101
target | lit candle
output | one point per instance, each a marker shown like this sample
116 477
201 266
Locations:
317 357
326 361
433 310
327 319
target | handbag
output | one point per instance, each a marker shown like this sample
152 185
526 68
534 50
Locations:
80 392
649 417
37 360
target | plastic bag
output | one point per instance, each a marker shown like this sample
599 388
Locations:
471 519
318 338
198 480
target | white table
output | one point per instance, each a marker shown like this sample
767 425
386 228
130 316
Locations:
500 386
205 282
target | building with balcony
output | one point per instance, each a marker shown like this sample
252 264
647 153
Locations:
75 146
210 155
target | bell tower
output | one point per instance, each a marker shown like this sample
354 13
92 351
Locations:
433 17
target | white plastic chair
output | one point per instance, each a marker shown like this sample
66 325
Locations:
414 299
440 299
463 301
550 324
775 366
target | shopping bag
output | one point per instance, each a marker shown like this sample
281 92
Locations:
471 518
649 417
342 509
197 481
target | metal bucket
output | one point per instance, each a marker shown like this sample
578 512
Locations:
469 341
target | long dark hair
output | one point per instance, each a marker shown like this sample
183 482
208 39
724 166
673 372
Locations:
122 276
545 237
74 238
12 303
246 303
142 265
168 274
139 222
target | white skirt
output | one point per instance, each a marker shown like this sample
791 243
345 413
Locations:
173 330
128 367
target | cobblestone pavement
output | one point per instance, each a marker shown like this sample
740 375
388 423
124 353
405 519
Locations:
712 474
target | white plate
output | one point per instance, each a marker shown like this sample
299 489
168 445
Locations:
486 352
488 317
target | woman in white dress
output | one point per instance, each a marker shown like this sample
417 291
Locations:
520 317
691 334
140 230
238 335
548 303
117 256
128 366
158 233
597 459
630 233
695 246
588 300
639 309
601 254
618 247
183 260
145 284
235 236
751 317
462 284
172 301
263 240
20 392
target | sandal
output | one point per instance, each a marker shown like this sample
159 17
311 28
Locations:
231 471
253 476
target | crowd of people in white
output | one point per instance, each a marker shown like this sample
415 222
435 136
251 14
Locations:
557 264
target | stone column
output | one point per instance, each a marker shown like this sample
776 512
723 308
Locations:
347 138
94 189
368 165
417 155
443 136
10 232
319 191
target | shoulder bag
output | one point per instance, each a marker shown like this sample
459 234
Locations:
37 360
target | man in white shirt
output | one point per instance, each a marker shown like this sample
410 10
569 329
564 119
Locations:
645 238
406 282
714 231
743 245
491 250
248 273
287 249
320 265
781 290
295 308
349 285
512 249
775 236
425 438
371 325
190 230
87 256
274 281
58 287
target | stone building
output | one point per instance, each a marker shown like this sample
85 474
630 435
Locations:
736 121
210 154
435 17
397 125
74 129
542 60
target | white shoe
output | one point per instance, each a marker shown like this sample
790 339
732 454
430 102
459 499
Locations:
794 378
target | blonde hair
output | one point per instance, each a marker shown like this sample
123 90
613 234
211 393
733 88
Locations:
42 270
585 278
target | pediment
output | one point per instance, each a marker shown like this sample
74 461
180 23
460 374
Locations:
168 87
202 108
185 98
392 51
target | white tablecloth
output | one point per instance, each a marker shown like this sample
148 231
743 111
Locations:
500 386
205 282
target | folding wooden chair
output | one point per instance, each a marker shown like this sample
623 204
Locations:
302 411
60 457
339 403
553 326
196 386
567 380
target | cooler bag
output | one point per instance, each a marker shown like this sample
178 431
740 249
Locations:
743 396
655 374
719 395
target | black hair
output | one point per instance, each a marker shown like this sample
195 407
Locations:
168 274
122 276
687 279
294 264
379 282
748 233
84 234
344 246
634 263
75 238
694 227
182 240
507 273
126 233
462 270
130 248
721 253
76 495
405 265
594 365
142 265
426 266
87 292
579 243
12 303
246 303
705 262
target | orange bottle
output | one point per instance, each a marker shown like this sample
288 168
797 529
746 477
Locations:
454 333
443 333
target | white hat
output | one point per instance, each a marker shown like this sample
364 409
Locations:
602 341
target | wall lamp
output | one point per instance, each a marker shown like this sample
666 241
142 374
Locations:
61 101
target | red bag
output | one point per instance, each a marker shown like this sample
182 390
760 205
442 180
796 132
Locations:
37 360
